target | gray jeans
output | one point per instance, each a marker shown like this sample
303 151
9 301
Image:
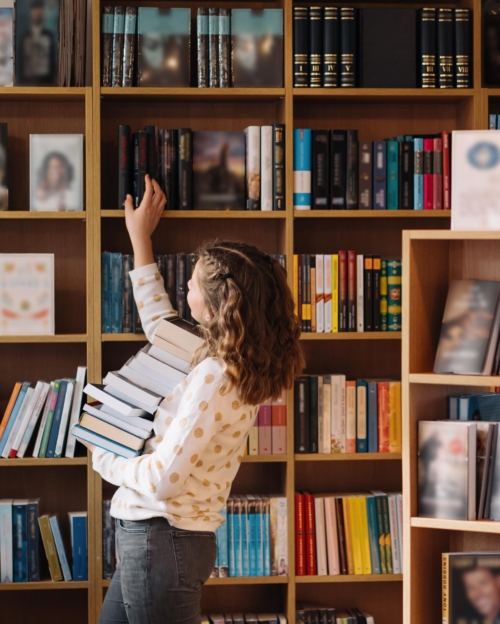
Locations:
160 573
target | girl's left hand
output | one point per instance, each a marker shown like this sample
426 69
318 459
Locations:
91 447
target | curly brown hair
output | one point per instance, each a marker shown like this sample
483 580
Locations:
254 330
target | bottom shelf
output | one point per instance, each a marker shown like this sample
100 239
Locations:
238 580
351 578
44 585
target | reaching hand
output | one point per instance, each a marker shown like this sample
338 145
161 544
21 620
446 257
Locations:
142 222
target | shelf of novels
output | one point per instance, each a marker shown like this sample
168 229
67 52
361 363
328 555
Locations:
347 457
350 578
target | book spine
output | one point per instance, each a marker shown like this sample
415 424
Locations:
124 164
394 294
320 169
320 295
463 56
406 177
170 277
265 429
446 136
106 293
79 549
365 536
32 539
140 165
282 536
330 289
361 417
152 151
348 44
300 556
348 535
213 47
118 34
302 165
371 508
339 512
352 170
202 34
230 535
372 417
395 435
313 293
181 285
252 141
266 167
418 177
355 522
392 175
368 293
365 175
351 291
376 293
360 296
305 295
300 295
222 545
445 571
224 47
301 409
20 544
260 536
245 538
437 175
331 46
56 534
127 294
129 41
56 422
116 293
428 172
342 290
310 532
267 540
445 50
107 23
300 47
383 416
381 534
379 175
278 167
173 169
50 419
428 39
350 402
279 425
50 549
185 169
238 552
313 414
387 534
6 543
338 164
315 46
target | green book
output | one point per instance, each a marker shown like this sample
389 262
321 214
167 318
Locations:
50 418
394 268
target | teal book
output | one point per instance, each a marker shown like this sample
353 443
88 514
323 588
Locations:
33 539
245 558
302 168
392 175
373 533
485 407
253 534
260 536
238 550
56 422
20 540
267 541
222 545
79 544
50 418
230 536
61 553
106 293
418 175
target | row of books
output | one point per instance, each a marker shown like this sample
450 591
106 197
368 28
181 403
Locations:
347 292
244 618
493 122
351 47
43 42
205 170
20 529
268 434
38 419
333 170
150 47
324 615
349 534
337 415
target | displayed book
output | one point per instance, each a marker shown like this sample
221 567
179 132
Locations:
7 44
27 294
468 342
79 544
56 172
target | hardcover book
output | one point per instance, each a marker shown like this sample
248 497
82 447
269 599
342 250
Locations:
219 170
6 46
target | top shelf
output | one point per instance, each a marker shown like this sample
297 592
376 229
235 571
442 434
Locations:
44 93
192 93
447 235
422 95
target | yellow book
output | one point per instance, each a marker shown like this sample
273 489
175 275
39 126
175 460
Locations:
50 548
364 535
446 587
355 534
335 293
395 441
296 283
348 535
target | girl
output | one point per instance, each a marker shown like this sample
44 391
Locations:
168 503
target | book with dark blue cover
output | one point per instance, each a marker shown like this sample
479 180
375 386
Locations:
302 168
20 541
78 526
13 415
392 175
116 293
372 417
61 553
56 422
33 538
106 292
379 175
362 435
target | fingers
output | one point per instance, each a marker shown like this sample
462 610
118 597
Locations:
129 205
148 193
159 196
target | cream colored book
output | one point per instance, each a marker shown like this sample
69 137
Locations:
111 432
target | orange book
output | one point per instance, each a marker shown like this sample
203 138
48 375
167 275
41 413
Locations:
300 546
350 416
9 408
395 435
310 532
383 416
348 535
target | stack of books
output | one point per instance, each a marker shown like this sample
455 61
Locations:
322 615
245 618
120 419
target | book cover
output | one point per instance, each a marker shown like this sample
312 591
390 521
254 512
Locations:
315 46
379 175
331 536
368 293
339 511
342 290
185 169
320 169
394 296
338 412
446 139
107 44
348 534
331 290
376 293
365 181
313 414
253 173
428 47
213 47
406 176
278 165
372 416
445 51
348 47
325 413
361 416
129 43
20 540
350 416
437 171
351 291
392 175
428 174
50 548
352 168
266 167
300 47
245 537
6 539
222 545
338 168
418 176
302 168
224 48
118 38
278 414
152 152
52 403
202 30
331 47
127 294
364 535
373 532
319 519
383 410
301 415
463 51
300 546
310 535
65 387
395 433
116 293
106 292
265 429
63 560
78 526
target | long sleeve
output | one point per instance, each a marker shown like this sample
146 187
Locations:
151 298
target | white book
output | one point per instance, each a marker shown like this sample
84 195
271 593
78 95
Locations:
338 429
361 420
360 295
42 400
98 409
63 427
319 520
121 423
282 536
96 391
252 167
320 299
6 560
327 416
321 432
76 407
253 439
128 399
393 522
159 367
266 167
350 418
327 290
46 409
15 428
176 335
23 424
136 366
399 508
369 618
140 395
170 348
144 381
331 536
167 358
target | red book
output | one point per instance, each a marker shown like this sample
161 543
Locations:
310 529
428 169
437 177
279 425
299 302
351 290
383 416
343 290
446 138
300 555
265 428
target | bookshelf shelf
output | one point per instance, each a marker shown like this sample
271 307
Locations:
44 93
206 214
26 214
124 338
371 214
350 578
351 336
394 95
472 526
314 457
454 380
45 339
34 461
44 585
193 93
249 580
264 459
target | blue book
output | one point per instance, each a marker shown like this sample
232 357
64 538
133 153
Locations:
19 540
13 415
379 175
32 539
492 122
238 551
373 533
418 175
245 537
230 536
252 529
485 407
302 168
116 293
260 535
361 416
222 545
392 175
128 295
498 122
267 541
61 553
372 409
56 422
78 526
106 292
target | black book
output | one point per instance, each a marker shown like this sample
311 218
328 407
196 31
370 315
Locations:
368 293
170 276
348 47
180 294
161 264
127 294
406 175
428 48
107 44
323 616
152 132
136 320
320 169
301 414
315 46
191 260
388 42
352 170
445 48
202 40
140 165
491 49
279 188
118 33
332 617
173 168
129 41
124 165
463 51
185 168
161 161
338 167
213 47
300 47
224 47
365 188
313 414
376 293
331 46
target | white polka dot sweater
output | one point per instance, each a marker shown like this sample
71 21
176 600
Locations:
187 468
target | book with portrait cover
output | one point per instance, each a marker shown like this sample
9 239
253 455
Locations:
219 170
6 43
26 294
163 47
